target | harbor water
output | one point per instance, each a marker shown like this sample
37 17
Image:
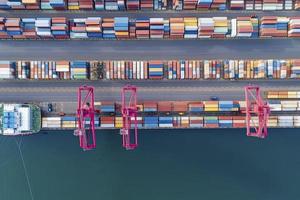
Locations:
169 164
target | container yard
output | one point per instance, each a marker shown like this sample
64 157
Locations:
177 99
146 5
186 114
152 70
149 28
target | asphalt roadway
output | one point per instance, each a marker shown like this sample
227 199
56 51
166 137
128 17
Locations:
150 49
137 14
65 91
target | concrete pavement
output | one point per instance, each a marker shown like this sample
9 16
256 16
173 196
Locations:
62 91
150 49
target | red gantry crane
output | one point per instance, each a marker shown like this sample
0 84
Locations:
255 106
129 114
86 112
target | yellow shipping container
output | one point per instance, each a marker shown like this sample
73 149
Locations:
211 109
73 7
29 1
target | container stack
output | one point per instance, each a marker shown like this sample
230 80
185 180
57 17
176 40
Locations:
297 5
225 122
237 4
258 4
157 28
3 31
68 122
121 27
190 27
294 27
189 4
118 122
142 28
164 106
195 107
107 122
150 106
13 28
272 121
80 4
180 107
297 121
274 26
43 27
111 5
93 27
205 27
166 28
196 122
177 4
108 28
226 106
295 69
132 29
218 5
249 4
151 122
51 122
211 122
7 70
238 122
212 69
220 27
79 70
285 121
121 5
139 121
272 5
211 106
59 28
160 4
289 105
107 107
78 28
184 122
146 4
155 69
133 4
99 4
53 4
244 27
176 28
165 122
204 4
62 69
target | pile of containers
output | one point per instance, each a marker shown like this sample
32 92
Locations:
244 27
53 4
145 28
268 5
283 94
7 70
51 122
121 27
176 28
79 70
157 69
272 26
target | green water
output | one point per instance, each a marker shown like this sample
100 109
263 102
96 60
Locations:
176 165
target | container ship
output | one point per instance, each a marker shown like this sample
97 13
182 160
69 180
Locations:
19 119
